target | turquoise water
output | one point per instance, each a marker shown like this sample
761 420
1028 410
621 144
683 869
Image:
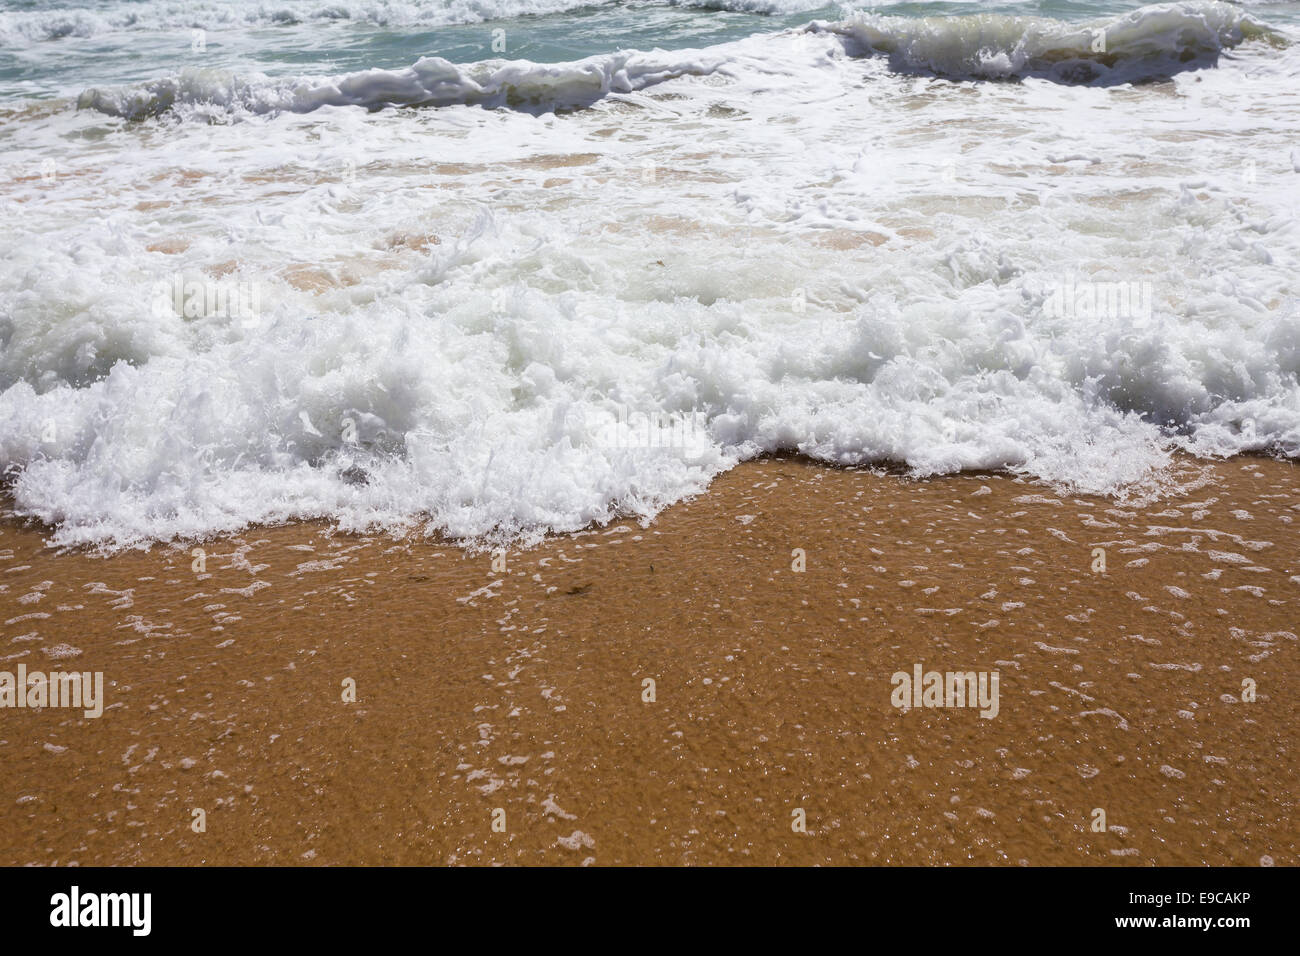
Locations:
52 49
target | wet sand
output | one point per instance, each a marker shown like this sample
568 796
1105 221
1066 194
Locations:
523 690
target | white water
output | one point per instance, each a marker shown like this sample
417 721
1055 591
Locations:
1147 44
815 251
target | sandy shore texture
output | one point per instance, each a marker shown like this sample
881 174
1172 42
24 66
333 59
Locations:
518 696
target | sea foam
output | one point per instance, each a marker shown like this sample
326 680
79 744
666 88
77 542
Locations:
463 311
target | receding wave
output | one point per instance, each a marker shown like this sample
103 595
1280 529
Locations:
1151 43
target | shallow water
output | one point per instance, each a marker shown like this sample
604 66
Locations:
641 243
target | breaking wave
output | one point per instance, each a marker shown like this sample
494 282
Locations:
1152 43
432 81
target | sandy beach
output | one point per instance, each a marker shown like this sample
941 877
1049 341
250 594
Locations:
518 695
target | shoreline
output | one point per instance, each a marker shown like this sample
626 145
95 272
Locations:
1175 480
522 689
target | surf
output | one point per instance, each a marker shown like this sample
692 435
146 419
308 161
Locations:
1145 45
1153 43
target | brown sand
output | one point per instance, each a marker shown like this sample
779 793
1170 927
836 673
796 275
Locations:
523 690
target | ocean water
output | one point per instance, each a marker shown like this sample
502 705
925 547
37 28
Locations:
493 268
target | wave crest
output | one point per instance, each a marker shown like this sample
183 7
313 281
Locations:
432 81
1151 43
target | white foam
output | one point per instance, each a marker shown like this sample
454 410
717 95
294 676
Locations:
814 252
